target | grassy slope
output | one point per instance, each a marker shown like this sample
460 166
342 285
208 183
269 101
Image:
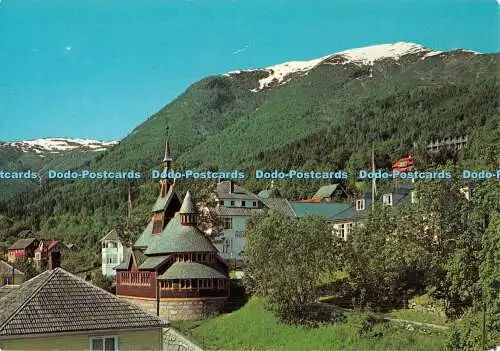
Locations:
253 328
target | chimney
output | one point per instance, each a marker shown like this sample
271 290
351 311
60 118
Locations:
54 260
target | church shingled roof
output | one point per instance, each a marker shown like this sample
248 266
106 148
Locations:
179 238
188 206
191 270
162 202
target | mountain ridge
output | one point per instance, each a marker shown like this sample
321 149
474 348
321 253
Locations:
58 144
363 55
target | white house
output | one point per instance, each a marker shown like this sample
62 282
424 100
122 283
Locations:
112 253
234 207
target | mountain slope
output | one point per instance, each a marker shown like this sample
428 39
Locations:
43 154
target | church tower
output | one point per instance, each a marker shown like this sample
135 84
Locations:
166 205
166 184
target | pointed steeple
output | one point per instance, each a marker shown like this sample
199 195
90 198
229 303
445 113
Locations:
188 211
166 184
168 156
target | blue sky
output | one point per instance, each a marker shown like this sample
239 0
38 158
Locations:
98 68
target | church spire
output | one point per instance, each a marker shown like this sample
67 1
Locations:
166 184
167 157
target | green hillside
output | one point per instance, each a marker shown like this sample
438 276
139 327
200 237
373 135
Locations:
327 119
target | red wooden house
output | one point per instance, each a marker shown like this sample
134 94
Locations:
23 248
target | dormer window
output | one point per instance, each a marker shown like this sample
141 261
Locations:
158 222
360 205
387 199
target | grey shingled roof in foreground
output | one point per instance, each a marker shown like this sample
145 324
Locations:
191 270
7 289
57 301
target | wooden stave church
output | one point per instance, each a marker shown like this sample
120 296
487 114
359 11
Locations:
173 265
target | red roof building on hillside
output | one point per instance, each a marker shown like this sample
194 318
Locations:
23 248
404 164
45 248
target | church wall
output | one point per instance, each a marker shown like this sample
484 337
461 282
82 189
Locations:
182 309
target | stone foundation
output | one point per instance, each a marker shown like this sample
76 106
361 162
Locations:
183 309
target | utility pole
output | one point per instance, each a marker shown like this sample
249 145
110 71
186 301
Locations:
374 185
483 334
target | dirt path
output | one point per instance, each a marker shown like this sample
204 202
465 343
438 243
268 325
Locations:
422 324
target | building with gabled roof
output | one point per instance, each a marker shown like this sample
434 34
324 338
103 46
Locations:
10 275
22 248
56 310
173 267
330 193
235 205
46 248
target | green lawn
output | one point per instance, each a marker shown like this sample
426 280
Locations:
253 328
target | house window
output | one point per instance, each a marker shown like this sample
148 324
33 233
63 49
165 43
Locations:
254 204
105 343
205 284
360 205
185 284
167 285
243 203
221 284
227 222
232 202
221 202
387 199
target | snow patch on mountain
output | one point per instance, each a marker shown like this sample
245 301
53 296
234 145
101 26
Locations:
368 55
57 145
281 73
278 73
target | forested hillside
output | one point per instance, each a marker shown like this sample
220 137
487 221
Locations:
325 119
